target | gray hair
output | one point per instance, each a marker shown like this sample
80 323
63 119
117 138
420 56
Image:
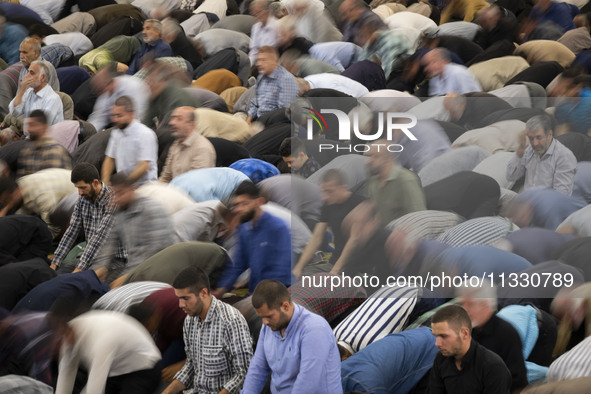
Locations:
540 121
485 291
156 24
43 69
171 26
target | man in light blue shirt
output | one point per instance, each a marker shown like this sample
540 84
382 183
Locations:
447 77
295 345
546 163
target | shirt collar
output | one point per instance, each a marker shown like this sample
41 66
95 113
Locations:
103 196
293 322
43 92
469 356
211 310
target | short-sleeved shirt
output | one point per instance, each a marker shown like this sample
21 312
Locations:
130 146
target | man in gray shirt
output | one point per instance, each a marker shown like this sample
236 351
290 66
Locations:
141 227
546 163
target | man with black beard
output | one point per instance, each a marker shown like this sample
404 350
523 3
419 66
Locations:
42 151
93 212
264 242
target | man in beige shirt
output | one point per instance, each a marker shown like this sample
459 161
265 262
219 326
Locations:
190 150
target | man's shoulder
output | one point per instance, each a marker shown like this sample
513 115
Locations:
312 323
487 358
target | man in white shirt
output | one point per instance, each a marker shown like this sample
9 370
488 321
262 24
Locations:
265 31
332 81
110 86
132 147
116 349
34 93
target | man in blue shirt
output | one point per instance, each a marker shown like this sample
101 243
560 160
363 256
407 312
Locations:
153 45
264 242
295 345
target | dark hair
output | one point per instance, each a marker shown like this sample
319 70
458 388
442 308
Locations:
454 315
126 103
193 278
271 293
291 146
334 175
121 179
84 172
7 184
248 188
39 116
141 312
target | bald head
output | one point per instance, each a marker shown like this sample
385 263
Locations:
30 50
182 122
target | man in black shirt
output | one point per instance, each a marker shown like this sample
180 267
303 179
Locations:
338 202
463 365
494 333
293 152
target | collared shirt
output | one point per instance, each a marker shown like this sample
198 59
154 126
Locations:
276 90
130 146
401 194
42 192
206 184
304 360
75 40
572 364
265 247
95 218
478 231
454 78
555 169
188 5
337 82
143 229
157 49
194 152
197 222
263 35
56 53
218 350
125 85
482 371
42 154
45 99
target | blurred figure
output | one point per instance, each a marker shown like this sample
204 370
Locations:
117 351
355 14
447 77
265 32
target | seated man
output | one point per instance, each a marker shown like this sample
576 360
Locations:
43 151
34 93
276 87
463 365
218 353
447 77
30 51
296 346
264 242
153 46
546 163
493 332
293 152
190 150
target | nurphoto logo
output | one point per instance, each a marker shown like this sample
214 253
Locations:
389 123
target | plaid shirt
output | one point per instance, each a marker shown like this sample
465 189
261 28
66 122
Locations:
96 218
276 90
188 5
42 154
218 350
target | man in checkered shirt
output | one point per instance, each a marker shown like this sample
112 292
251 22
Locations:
217 341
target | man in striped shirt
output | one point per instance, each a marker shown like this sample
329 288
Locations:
217 341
